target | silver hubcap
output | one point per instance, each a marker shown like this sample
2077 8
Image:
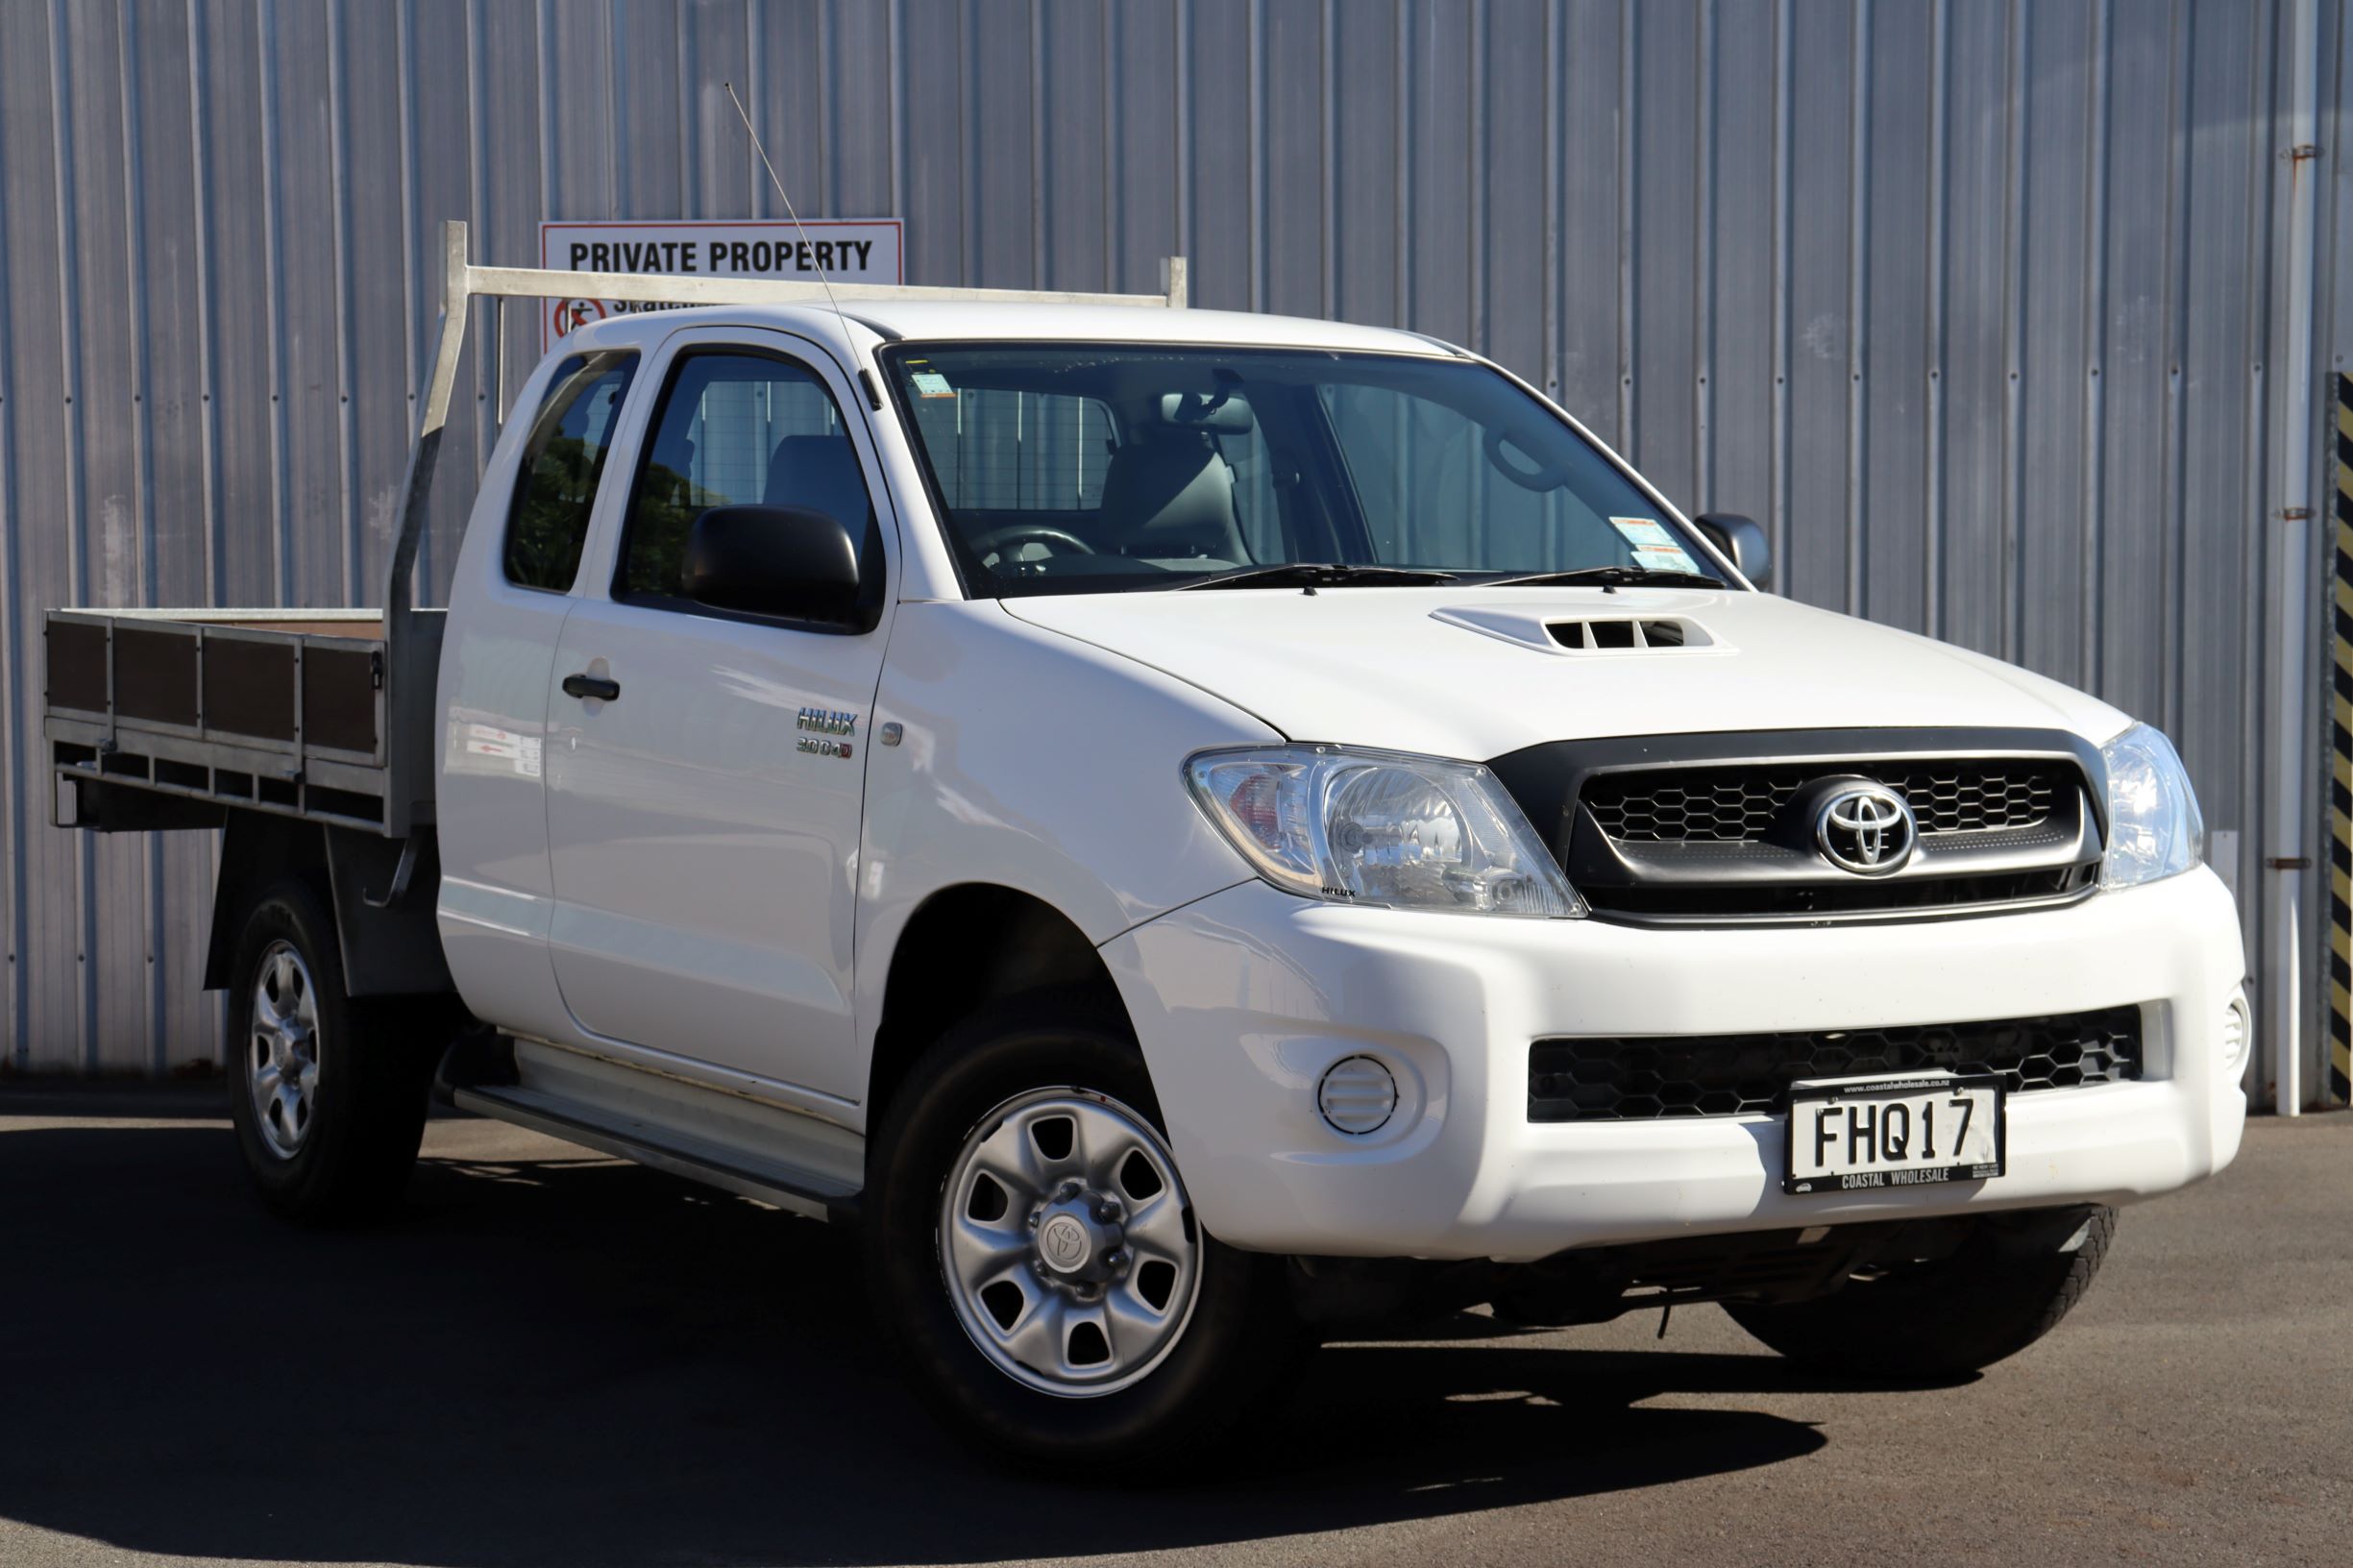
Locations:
1067 1243
282 1052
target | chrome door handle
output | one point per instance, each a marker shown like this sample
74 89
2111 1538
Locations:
586 687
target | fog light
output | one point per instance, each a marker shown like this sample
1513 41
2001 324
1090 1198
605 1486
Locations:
1357 1095
2237 1032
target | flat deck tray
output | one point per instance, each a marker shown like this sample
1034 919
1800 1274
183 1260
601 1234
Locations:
311 681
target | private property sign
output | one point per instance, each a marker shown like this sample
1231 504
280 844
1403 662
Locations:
846 250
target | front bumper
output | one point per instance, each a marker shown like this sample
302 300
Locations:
1242 999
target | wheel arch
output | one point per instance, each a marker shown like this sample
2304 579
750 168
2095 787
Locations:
378 892
968 946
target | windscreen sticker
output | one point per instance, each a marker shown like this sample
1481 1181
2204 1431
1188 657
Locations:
930 383
1654 547
1642 530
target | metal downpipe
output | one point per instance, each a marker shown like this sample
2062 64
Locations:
2293 665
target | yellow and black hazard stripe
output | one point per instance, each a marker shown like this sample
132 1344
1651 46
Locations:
2340 766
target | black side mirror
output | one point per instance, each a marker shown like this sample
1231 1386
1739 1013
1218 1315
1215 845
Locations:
1744 539
792 562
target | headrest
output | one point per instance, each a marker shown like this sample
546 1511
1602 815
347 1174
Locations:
819 470
1191 411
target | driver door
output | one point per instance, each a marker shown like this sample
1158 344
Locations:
706 766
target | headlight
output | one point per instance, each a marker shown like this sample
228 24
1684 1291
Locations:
1378 827
2154 828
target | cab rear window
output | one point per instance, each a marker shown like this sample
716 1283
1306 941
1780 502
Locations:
563 461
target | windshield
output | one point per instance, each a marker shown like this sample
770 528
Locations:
1084 468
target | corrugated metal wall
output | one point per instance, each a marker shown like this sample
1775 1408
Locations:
1976 302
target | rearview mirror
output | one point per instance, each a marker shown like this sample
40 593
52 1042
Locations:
1744 539
793 562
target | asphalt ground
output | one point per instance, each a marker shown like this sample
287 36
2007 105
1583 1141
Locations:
554 1358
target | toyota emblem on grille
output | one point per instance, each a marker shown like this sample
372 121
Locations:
1867 829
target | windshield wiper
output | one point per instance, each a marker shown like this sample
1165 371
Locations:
1319 575
1609 576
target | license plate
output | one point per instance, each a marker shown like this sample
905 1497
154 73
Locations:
1848 1134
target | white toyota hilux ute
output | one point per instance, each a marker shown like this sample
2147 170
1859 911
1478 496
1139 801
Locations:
1195 831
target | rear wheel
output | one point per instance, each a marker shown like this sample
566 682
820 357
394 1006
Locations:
1997 1293
328 1093
1034 1255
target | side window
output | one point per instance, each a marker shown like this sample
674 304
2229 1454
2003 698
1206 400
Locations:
734 429
562 460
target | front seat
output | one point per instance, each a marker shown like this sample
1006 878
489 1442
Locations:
1170 493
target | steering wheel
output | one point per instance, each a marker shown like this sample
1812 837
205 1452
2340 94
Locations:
997 540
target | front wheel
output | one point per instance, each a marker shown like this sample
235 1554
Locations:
2005 1286
1034 1253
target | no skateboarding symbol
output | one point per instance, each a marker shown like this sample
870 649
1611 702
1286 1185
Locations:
571 313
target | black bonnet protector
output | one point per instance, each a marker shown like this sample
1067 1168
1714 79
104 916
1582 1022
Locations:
1730 827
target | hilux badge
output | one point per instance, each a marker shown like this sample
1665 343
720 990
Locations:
825 721
1868 829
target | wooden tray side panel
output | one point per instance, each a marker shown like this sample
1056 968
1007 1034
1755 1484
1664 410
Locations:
77 652
155 674
339 697
249 688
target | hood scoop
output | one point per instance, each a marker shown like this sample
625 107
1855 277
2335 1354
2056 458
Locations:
1581 634
1658 632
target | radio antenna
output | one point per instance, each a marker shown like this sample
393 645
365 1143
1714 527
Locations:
748 131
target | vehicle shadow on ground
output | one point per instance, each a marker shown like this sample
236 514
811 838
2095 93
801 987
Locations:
566 1361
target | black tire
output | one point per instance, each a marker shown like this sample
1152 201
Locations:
1233 1355
2005 1286
366 1113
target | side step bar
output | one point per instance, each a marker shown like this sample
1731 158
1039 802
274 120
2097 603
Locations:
787 1186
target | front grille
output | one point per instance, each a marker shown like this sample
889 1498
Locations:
1740 805
1726 828
1648 1078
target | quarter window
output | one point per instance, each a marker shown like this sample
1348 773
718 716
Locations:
563 459
735 429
